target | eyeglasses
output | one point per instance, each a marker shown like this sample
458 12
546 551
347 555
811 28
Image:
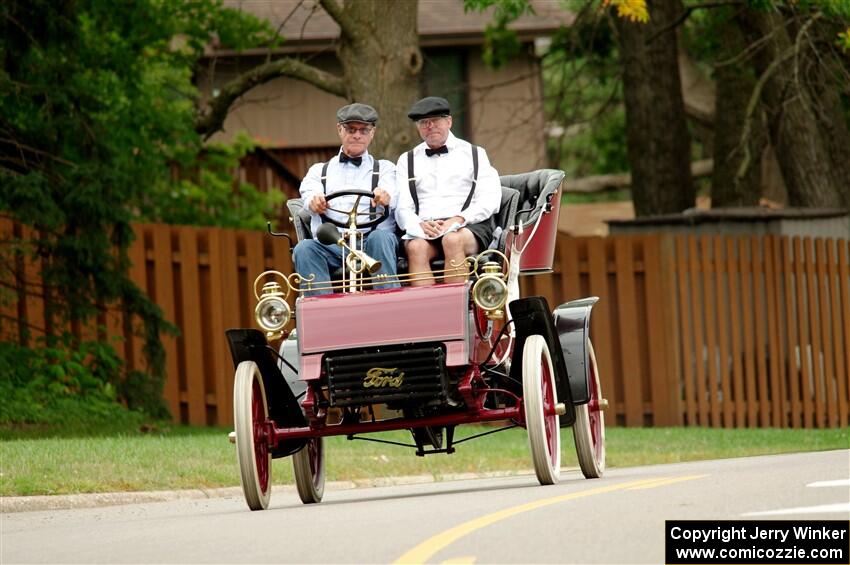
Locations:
365 130
428 122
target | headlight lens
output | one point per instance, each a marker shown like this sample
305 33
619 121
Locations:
490 293
272 313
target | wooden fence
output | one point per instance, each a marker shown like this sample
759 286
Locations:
698 331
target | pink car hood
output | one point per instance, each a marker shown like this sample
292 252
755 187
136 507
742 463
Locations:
366 319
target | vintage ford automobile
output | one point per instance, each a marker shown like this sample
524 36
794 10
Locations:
422 358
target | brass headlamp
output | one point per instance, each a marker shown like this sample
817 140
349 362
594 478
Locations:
490 291
272 311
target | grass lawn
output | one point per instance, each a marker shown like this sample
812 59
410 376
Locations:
183 457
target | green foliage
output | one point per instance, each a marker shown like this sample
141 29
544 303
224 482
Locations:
62 385
97 107
500 43
205 193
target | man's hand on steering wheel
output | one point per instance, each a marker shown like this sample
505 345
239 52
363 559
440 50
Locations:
353 210
382 197
318 204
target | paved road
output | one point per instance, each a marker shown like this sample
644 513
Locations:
617 519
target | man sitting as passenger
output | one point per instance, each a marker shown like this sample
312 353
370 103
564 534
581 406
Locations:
447 194
352 168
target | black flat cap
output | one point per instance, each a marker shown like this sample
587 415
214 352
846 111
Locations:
357 113
428 107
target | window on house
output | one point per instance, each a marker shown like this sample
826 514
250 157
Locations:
445 75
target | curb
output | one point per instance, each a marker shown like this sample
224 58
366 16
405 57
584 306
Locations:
12 504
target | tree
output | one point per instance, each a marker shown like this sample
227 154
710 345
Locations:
658 138
381 62
97 105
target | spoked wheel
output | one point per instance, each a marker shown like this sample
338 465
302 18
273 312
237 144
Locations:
309 467
250 413
539 401
589 427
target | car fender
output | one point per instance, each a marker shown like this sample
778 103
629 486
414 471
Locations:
532 316
284 410
572 322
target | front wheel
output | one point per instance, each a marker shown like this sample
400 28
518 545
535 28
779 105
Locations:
250 414
589 427
539 400
308 465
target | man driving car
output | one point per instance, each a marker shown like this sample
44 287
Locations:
353 168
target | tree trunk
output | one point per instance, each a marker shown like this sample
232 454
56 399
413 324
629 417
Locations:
792 124
381 63
737 162
658 139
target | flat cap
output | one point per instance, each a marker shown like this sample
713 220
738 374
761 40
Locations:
357 113
429 106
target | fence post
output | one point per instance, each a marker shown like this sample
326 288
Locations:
668 312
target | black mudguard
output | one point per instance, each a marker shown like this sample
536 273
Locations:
532 316
572 321
284 410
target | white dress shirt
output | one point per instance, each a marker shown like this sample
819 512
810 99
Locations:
443 182
347 176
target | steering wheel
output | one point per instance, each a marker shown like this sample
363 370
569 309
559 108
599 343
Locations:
359 193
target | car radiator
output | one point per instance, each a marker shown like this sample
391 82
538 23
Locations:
397 376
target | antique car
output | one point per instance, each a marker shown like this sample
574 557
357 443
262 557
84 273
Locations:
422 358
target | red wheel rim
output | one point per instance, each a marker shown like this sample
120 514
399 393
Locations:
550 419
261 449
595 414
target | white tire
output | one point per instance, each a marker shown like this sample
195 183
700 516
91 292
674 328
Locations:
250 413
308 465
539 400
589 427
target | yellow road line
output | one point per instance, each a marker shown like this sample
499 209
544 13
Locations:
667 481
425 550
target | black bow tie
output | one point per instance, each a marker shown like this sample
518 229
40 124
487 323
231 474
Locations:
343 158
431 152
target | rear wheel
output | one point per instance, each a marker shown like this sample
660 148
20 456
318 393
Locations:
589 427
309 467
250 413
539 401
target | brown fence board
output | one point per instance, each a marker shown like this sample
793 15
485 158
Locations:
826 333
192 335
710 309
570 275
838 415
628 332
220 358
163 275
732 266
759 275
794 368
803 315
723 333
773 323
700 385
685 307
601 326
660 382
814 328
34 289
844 293
747 298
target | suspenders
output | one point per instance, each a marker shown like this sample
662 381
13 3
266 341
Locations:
376 174
411 179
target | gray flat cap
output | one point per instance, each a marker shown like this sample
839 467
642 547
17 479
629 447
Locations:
357 113
428 107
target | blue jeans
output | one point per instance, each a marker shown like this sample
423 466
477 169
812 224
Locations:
316 258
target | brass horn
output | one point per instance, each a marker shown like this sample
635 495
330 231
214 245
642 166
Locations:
357 261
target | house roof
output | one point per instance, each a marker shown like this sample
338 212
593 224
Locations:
304 23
